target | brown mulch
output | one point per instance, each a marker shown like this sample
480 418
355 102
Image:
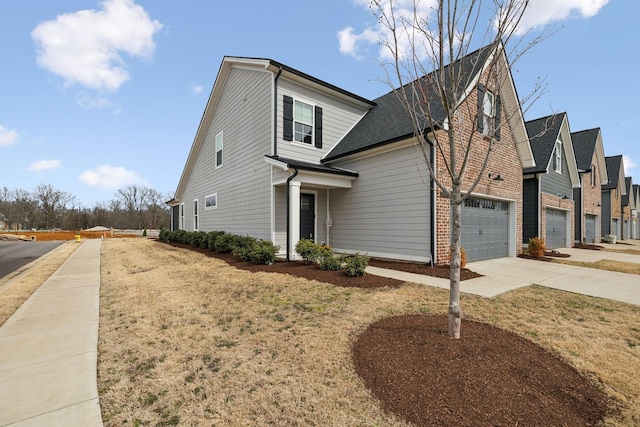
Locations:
588 246
441 271
489 377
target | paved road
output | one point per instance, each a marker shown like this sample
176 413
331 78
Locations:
14 255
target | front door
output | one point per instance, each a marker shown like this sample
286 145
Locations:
307 216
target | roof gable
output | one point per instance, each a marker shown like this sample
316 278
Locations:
543 134
389 122
586 144
628 199
615 172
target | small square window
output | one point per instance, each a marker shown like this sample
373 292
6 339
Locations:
211 201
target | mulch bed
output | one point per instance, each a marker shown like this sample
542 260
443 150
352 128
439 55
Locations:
489 377
338 278
588 246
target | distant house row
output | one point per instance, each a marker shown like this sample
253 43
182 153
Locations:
283 156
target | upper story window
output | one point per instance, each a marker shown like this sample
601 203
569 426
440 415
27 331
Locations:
489 108
557 157
219 146
302 122
593 175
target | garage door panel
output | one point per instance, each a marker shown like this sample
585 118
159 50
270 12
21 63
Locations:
556 230
590 228
485 225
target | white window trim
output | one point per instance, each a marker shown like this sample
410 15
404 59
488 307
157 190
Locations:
206 207
221 135
488 119
557 152
196 215
181 214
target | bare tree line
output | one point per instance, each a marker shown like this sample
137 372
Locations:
47 208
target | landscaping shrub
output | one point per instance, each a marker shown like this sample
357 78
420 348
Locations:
264 252
308 250
181 236
224 243
144 233
537 247
330 263
356 264
165 235
211 240
242 247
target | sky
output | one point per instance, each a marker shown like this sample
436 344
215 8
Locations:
99 95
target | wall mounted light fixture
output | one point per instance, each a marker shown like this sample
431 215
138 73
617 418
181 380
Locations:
496 177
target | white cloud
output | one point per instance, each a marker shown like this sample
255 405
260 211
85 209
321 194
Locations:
629 164
539 13
89 102
196 89
543 12
85 47
7 136
44 165
110 177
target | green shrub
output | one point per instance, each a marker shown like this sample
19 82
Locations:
242 247
144 233
224 243
330 263
165 235
356 264
211 239
180 236
536 247
264 252
308 250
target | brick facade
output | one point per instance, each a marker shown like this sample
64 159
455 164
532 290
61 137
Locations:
591 198
504 160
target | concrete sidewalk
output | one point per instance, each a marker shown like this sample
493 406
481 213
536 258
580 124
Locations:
48 349
505 274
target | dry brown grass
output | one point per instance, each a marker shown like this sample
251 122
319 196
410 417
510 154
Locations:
604 264
16 288
186 339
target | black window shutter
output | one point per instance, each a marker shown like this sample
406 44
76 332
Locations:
318 124
481 91
287 118
498 112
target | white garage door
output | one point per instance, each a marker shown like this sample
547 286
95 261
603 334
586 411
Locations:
485 229
556 234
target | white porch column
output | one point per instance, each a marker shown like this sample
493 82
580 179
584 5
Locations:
294 218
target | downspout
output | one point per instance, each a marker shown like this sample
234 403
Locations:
432 203
295 173
275 114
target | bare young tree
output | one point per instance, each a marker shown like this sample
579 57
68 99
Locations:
431 70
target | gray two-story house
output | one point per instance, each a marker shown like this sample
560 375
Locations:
548 187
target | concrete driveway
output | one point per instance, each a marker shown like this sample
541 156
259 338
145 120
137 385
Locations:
506 274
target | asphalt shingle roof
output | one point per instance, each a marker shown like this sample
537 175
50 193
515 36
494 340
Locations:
543 134
584 144
298 164
613 170
625 197
388 121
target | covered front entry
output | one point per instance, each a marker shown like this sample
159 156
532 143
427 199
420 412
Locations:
485 228
590 228
556 230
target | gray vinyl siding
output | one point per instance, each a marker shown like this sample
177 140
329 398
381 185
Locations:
387 209
530 209
242 183
577 200
606 213
557 183
280 198
338 117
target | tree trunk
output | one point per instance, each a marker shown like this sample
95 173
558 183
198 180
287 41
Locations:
454 272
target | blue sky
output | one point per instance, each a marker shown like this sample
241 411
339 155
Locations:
98 95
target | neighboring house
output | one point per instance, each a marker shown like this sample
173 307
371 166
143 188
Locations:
281 155
548 187
589 153
611 197
635 215
628 206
